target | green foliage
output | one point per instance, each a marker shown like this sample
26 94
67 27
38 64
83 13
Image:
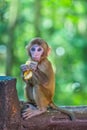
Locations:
63 24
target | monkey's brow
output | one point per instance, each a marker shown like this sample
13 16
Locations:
35 45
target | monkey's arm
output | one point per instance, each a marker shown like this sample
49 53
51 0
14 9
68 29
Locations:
41 77
43 72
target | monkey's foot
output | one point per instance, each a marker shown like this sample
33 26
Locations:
28 113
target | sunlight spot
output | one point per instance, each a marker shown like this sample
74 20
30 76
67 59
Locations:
60 51
2 49
47 23
76 86
82 26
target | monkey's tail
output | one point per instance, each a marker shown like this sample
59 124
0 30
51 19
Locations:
69 113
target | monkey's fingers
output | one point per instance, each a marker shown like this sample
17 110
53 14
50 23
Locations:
26 110
32 113
28 114
25 114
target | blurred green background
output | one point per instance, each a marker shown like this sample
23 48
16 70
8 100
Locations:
63 24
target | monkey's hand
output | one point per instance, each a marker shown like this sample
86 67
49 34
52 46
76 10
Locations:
24 67
26 73
32 65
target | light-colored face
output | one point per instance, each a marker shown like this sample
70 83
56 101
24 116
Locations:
36 52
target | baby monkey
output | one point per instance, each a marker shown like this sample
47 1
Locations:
40 80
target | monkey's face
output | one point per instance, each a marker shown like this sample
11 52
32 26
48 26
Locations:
36 51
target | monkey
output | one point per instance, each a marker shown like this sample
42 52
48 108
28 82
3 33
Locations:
39 77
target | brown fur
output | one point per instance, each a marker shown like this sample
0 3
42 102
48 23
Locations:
40 88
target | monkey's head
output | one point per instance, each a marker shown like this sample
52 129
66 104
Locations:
37 49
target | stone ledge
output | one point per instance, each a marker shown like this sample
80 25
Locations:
10 118
58 121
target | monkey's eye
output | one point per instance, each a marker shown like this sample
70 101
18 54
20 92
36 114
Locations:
32 49
39 49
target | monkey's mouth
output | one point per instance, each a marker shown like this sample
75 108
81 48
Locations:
36 58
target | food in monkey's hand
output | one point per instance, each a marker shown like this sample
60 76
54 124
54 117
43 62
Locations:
27 69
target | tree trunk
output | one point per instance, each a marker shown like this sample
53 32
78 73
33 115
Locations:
37 18
11 29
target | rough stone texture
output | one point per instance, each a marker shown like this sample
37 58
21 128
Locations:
52 120
58 121
9 104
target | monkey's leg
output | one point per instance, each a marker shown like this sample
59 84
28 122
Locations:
29 93
40 101
70 114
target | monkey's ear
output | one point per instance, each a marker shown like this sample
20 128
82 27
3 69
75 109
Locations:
49 51
28 49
